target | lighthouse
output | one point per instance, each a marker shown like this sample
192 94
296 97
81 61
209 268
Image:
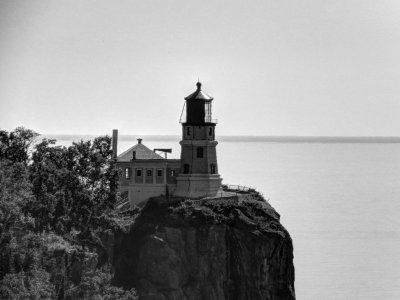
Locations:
198 176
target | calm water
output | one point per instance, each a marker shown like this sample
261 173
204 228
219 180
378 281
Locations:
340 203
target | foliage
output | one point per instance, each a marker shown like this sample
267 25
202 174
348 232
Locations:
96 285
14 146
27 285
15 193
54 204
73 186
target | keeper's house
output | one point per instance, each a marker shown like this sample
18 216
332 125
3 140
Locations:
146 174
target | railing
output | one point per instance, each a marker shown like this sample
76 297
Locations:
241 189
209 120
122 199
206 120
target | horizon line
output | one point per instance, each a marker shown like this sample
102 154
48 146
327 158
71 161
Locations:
265 138
228 135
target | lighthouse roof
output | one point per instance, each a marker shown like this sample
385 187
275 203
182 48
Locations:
199 94
141 152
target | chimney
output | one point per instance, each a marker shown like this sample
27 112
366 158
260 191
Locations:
115 143
139 141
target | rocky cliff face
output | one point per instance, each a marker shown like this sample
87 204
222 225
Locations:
198 249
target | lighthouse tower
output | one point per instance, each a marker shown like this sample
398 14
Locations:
198 176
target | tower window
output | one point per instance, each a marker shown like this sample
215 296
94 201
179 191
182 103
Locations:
186 168
127 173
188 131
212 169
210 131
200 153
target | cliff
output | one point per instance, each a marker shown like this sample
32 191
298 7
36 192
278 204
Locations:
205 249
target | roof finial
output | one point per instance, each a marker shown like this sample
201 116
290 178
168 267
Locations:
198 84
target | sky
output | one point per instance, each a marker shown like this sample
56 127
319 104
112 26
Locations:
306 68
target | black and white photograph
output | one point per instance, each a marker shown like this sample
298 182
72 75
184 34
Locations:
199 150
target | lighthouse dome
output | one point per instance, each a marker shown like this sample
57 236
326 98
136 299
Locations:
199 94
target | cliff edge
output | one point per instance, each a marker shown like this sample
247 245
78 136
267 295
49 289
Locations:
205 249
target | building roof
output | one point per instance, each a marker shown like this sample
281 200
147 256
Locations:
141 152
199 94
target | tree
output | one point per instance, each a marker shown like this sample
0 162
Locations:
67 190
80 181
14 146
27 285
15 193
96 285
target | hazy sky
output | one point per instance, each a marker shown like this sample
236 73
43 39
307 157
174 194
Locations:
273 67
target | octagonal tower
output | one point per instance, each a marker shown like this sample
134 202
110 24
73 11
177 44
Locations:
199 169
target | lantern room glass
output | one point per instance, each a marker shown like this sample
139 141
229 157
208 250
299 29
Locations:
207 116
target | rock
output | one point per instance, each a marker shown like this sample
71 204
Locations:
214 249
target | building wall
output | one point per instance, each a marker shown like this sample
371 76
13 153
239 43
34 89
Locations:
139 193
197 185
201 180
141 188
190 132
199 165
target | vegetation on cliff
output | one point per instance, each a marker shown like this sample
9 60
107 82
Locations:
56 204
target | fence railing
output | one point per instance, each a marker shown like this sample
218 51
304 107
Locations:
241 189
206 120
122 199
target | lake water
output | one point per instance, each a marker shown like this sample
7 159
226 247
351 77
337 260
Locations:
340 203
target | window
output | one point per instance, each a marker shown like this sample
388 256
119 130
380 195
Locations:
149 179
212 169
186 168
210 131
200 152
127 173
139 176
207 117
188 131
173 173
159 176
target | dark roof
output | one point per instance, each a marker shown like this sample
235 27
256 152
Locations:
142 152
199 94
